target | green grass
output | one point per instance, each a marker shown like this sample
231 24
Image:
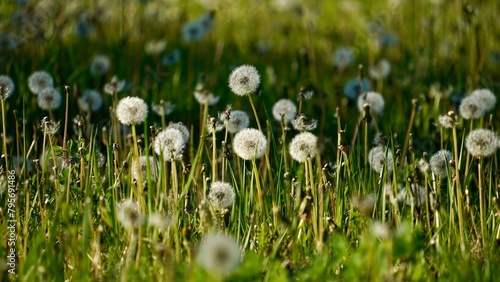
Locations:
314 221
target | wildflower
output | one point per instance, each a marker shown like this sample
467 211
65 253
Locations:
40 80
169 143
381 70
221 195
49 99
203 96
487 98
114 86
303 146
91 100
182 128
417 196
6 87
447 121
342 57
128 214
219 254
237 121
163 108
250 143
100 65
374 100
143 166
303 123
244 80
472 107
481 142
353 88
196 30
155 47
159 221
171 58
131 110
439 162
284 109
379 157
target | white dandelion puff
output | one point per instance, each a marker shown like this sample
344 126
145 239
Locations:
128 214
487 98
342 57
380 157
244 80
472 107
114 86
182 128
7 86
381 70
169 143
303 146
164 108
219 254
143 169
238 120
374 100
439 163
39 80
303 123
447 121
221 195
285 109
250 143
159 221
49 99
100 65
131 110
481 142
155 47
203 96
417 196
91 100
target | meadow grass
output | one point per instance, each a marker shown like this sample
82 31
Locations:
388 186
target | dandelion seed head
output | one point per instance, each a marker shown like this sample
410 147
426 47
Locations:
471 107
238 120
244 80
380 230
40 80
381 70
143 169
447 121
100 65
303 146
219 254
303 123
204 96
128 214
250 143
164 108
182 128
101 160
49 99
416 196
169 143
221 195
91 100
487 98
342 57
155 47
285 109
7 87
379 157
159 221
439 162
481 142
374 100
131 110
114 86
424 166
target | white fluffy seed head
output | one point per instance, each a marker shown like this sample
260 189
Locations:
250 143
416 196
7 86
244 80
100 65
472 107
439 163
481 142
284 108
114 86
374 100
487 97
49 99
131 110
379 157
182 128
128 214
446 121
303 146
203 96
219 254
238 120
39 80
91 100
169 143
164 108
143 169
381 70
221 195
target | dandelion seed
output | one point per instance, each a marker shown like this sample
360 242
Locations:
487 98
221 195
143 166
481 142
40 80
447 121
100 65
49 99
163 108
7 87
182 128
155 47
374 100
238 120
439 162
91 100
303 123
250 143
303 146
285 109
416 198
381 70
472 107
342 57
128 214
203 96
219 254
244 80
114 86
379 157
131 110
169 143
353 88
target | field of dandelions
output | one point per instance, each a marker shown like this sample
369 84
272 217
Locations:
280 140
